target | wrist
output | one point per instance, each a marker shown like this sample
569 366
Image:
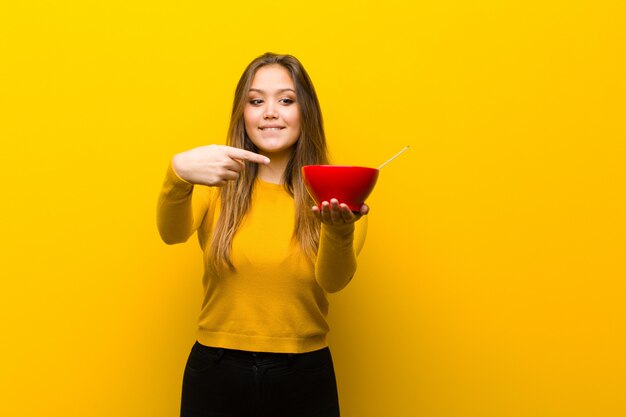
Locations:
178 167
338 229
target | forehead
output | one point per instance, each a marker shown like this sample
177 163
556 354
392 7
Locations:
272 77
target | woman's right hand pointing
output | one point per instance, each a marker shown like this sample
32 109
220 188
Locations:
213 165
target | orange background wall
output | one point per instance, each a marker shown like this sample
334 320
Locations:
492 281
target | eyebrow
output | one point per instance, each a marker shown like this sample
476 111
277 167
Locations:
282 90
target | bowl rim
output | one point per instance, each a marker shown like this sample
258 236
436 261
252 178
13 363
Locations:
342 166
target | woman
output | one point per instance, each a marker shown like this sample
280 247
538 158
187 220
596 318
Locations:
270 258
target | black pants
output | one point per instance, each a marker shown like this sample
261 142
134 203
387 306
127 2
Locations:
232 383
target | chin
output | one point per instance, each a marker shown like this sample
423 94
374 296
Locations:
274 148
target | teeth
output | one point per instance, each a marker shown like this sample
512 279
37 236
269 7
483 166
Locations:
271 128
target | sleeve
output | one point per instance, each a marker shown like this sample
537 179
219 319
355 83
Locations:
337 254
181 207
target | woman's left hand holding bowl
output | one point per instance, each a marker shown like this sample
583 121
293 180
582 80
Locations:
334 213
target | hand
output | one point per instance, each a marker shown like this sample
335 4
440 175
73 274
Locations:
334 213
214 165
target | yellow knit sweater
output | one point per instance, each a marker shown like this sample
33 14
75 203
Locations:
276 300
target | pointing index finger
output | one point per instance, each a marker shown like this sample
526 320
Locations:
237 153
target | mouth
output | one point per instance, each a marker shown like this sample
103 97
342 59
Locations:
271 128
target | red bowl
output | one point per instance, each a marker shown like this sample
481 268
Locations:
348 184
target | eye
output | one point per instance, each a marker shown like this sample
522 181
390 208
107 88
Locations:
286 101
255 101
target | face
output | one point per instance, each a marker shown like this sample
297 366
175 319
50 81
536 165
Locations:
272 112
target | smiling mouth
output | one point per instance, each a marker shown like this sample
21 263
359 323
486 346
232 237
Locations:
271 128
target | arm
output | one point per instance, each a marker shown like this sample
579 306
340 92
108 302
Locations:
341 239
337 253
186 193
180 208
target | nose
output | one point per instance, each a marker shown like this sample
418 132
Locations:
270 111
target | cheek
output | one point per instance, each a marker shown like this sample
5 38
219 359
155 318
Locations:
248 116
294 118
249 123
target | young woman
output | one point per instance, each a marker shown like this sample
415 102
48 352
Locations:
271 255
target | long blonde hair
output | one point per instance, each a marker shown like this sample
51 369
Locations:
310 149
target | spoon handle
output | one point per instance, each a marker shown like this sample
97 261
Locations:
394 157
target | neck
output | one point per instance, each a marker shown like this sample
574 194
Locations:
274 171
